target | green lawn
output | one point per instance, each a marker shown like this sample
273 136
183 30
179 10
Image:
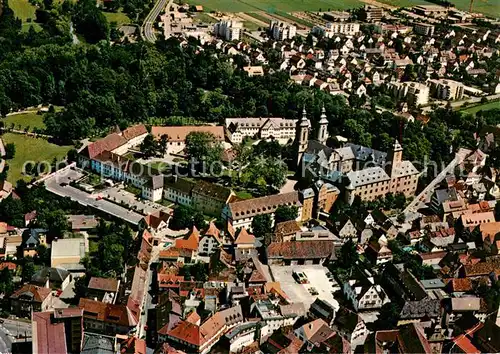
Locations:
22 9
31 149
119 17
251 26
243 195
205 18
259 17
488 7
481 107
31 120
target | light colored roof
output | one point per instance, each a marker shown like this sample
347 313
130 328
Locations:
68 247
180 133
82 221
405 168
367 176
474 219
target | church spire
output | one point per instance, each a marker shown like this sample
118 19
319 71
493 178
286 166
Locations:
302 135
323 127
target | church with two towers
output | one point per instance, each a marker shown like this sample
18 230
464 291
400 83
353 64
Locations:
361 171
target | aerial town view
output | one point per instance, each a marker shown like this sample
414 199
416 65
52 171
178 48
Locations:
249 176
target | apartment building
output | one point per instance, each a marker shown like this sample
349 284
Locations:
415 93
372 13
333 28
230 30
446 89
282 30
424 29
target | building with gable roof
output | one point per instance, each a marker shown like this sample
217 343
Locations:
210 241
30 298
280 129
100 317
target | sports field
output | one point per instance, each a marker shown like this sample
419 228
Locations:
482 107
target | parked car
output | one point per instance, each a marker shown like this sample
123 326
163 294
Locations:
300 278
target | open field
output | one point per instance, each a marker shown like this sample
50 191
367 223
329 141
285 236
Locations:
119 17
31 120
292 5
28 149
481 107
490 7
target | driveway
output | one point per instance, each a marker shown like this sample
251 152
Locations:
119 195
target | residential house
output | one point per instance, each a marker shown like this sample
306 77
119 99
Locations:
103 289
210 241
245 246
52 278
314 333
30 298
364 294
323 310
351 327
108 319
426 311
32 238
86 223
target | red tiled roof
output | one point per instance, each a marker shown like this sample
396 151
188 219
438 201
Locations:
187 332
460 284
134 131
110 313
39 293
482 268
466 345
191 243
108 143
245 238
104 284
50 337
193 317
8 265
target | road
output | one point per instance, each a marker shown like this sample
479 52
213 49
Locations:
427 192
147 30
53 184
9 329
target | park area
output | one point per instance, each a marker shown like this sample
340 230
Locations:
27 148
21 121
482 107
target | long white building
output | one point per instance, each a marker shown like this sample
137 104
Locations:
333 28
282 30
262 128
230 30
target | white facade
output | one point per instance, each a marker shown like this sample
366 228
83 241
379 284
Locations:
365 298
153 194
262 128
229 30
415 93
446 89
333 28
208 245
281 30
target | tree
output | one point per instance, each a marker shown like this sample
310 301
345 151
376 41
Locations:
262 225
6 281
204 150
55 221
347 255
10 151
149 146
90 21
388 316
28 269
285 213
186 217
163 145
42 255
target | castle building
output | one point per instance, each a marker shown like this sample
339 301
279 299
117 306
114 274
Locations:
362 171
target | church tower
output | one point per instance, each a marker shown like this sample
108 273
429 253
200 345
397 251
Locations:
323 127
302 136
393 162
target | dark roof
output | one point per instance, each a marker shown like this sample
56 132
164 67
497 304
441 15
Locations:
488 337
430 308
97 344
53 274
32 236
211 190
412 340
347 320
363 153
322 309
180 184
